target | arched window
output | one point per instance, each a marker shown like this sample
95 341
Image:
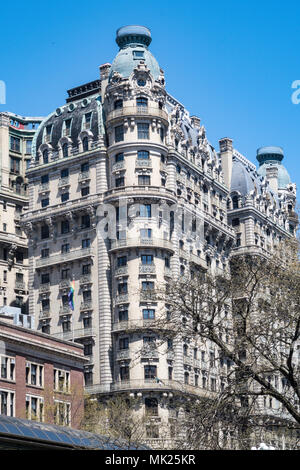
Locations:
235 202
45 156
65 150
85 144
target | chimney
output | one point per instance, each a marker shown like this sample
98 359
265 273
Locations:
104 73
226 151
195 121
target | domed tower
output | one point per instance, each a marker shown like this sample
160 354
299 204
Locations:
137 123
270 166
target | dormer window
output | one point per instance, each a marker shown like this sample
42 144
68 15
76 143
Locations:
65 150
141 82
87 120
67 127
138 54
85 144
45 156
48 133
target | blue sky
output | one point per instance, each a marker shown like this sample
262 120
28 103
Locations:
230 62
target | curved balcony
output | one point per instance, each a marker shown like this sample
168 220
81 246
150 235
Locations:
142 243
64 257
138 324
156 384
156 192
137 111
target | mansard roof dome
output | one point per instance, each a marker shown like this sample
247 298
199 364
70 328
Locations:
243 179
133 42
74 112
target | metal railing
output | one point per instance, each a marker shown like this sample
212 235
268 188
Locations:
84 175
121 271
141 242
147 269
64 257
137 110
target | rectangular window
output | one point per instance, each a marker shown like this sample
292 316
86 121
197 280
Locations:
147 285
34 374
67 127
144 180
87 322
45 305
150 372
65 226
45 202
64 197
138 54
45 179
122 288
86 243
87 120
45 278
141 101
123 315
146 259
28 146
44 232
123 343
84 167
143 130
15 144
85 221
143 155
65 248
146 233
7 403
124 373
145 210
64 173
62 414
7 367
85 191
45 253
148 314
119 133
119 157
61 380
120 181
15 165
86 269
65 274
122 261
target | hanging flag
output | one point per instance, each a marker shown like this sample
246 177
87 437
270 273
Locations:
71 295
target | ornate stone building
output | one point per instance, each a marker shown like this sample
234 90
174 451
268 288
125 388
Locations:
127 192
16 134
